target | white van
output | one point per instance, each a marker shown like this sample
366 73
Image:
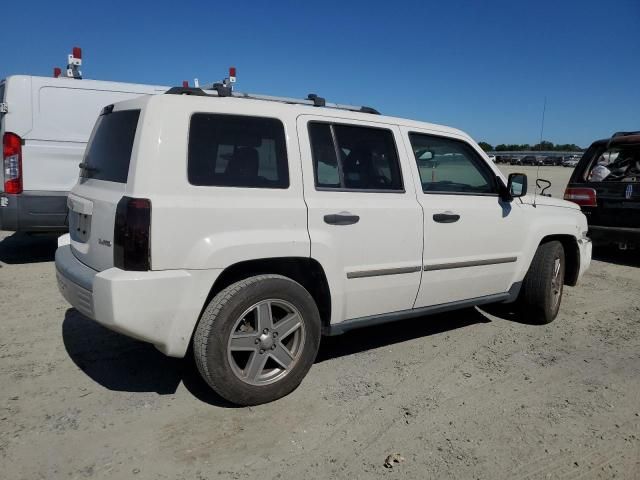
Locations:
45 124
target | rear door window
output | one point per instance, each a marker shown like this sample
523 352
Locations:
108 152
351 157
237 151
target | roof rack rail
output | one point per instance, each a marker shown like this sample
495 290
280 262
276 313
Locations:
624 134
220 90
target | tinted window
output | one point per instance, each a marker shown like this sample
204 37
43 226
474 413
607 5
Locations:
618 163
325 163
108 152
357 158
237 151
448 165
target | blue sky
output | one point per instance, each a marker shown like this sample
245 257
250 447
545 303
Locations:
484 67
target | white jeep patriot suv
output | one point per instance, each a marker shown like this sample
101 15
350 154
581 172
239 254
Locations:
248 226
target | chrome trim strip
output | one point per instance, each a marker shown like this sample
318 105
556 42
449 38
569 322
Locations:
382 271
472 263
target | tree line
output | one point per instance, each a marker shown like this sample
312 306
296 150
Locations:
542 146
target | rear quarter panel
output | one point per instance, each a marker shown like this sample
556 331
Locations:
203 227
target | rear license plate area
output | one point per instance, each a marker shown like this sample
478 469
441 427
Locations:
79 226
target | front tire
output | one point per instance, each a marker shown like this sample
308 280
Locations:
542 286
257 339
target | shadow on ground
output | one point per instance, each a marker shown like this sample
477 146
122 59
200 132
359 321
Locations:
627 258
123 364
386 334
120 363
22 248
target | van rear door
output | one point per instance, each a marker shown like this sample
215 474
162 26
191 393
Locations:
103 179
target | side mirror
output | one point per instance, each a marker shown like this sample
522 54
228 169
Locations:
517 185
424 155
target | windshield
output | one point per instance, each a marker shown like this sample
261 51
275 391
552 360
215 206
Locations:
618 163
109 149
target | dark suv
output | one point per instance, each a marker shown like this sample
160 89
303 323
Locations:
606 185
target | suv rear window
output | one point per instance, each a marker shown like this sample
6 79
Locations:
237 151
108 152
618 163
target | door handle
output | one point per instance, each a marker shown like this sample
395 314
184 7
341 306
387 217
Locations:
446 217
342 218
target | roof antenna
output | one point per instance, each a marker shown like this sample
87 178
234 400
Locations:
535 191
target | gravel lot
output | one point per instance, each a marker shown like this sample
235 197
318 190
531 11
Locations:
470 394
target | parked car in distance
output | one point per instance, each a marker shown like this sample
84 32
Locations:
492 158
570 162
529 160
243 227
606 185
515 161
554 160
45 123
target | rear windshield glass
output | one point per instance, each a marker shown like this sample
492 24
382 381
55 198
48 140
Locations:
618 163
109 149
237 151
1 92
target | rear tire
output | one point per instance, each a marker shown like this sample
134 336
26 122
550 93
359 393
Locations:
542 286
257 339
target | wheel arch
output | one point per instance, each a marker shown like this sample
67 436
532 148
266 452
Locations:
571 255
306 271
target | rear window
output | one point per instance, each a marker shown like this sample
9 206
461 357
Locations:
108 152
618 163
237 151
1 92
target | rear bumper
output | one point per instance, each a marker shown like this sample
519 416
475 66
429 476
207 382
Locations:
608 235
33 212
159 307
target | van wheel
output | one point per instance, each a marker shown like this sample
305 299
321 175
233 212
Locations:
257 339
542 286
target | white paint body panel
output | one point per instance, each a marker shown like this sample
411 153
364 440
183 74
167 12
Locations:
388 235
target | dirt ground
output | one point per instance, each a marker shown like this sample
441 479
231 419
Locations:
462 395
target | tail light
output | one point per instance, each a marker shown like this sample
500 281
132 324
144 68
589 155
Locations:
585 197
132 234
12 162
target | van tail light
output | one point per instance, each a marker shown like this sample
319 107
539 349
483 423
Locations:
132 234
12 162
585 197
